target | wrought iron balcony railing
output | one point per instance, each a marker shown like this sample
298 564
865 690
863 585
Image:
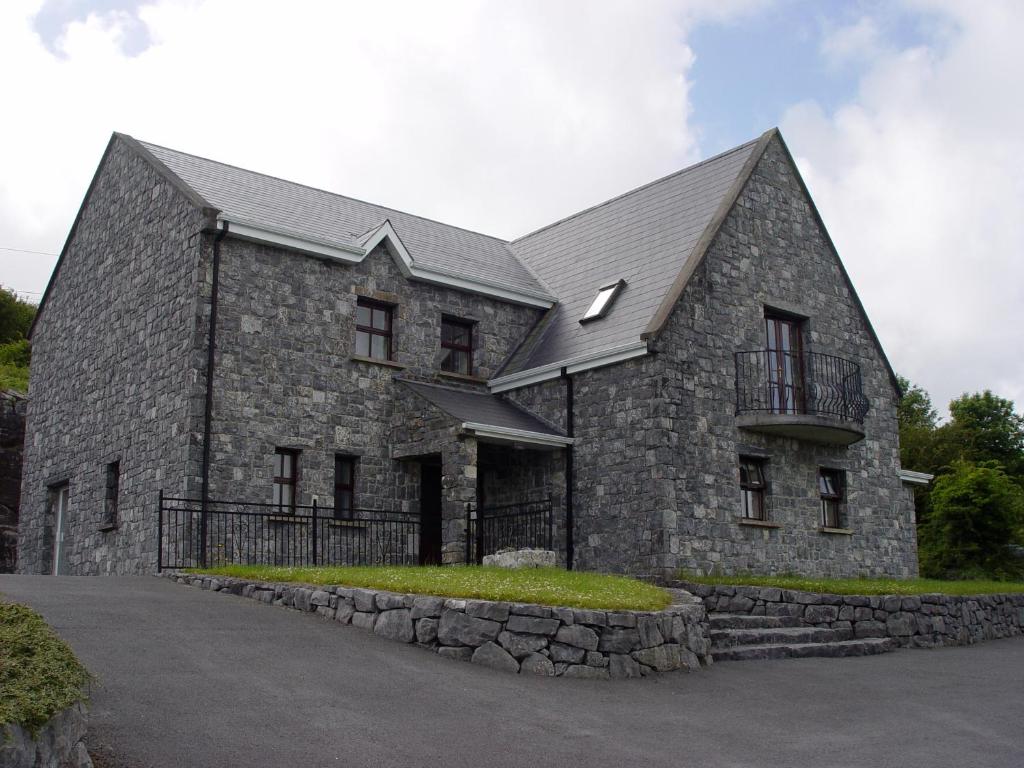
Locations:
777 382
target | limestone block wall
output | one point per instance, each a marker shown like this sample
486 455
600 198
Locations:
112 375
60 742
511 637
772 253
920 621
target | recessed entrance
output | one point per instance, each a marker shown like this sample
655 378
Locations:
430 513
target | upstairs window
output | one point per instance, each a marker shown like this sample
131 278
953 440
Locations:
344 486
286 472
602 302
830 487
111 492
753 488
373 329
457 346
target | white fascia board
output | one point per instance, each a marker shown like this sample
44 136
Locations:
516 435
349 254
915 478
573 365
438 277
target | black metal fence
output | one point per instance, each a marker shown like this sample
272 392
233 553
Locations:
242 533
511 526
776 381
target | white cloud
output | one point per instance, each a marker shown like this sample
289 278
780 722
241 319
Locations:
920 180
495 116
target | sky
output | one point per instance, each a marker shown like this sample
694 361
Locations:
906 118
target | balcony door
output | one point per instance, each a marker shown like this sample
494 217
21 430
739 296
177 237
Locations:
784 360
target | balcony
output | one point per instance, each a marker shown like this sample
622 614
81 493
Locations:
808 396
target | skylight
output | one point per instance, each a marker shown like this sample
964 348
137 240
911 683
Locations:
602 302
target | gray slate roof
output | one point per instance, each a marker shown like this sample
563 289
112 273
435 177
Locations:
298 210
644 237
480 408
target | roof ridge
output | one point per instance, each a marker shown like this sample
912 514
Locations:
325 191
637 189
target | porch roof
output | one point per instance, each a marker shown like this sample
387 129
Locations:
490 417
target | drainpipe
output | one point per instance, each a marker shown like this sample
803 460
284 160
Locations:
570 431
211 344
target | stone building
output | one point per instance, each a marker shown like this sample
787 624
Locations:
681 378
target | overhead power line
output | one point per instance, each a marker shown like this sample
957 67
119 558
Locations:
25 250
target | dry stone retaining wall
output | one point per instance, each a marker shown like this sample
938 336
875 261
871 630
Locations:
921 621
512 637
59 743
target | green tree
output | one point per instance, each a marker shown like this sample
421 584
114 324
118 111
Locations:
975 519
15 316
985 427
15 319
915 409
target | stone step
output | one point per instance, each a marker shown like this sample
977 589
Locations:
863 647
728 638
741 621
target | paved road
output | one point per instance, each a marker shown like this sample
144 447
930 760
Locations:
193 678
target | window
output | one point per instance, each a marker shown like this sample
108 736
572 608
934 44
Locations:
830 486
603 301
457 346
286 471
344 485
373 329
111 492
785 363
753 488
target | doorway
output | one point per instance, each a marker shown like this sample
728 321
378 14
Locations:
430 513
60 507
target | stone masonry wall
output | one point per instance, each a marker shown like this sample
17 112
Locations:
511 637
286 377
60 743
920 621
771 252
112 373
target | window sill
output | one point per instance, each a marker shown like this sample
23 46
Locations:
836 531
288 519
462 377
377 361
107 527
757 523
335 523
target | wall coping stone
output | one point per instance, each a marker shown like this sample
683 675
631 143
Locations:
514 637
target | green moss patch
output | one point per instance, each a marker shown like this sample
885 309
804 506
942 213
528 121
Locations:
545 586
39 674
864 586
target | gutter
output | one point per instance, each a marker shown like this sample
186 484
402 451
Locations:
211 346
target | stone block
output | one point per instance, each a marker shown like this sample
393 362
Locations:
532 625
618 640
456 628
569 654
320 597
585 672
579 636
522 558
520 645
535 664
485 609
426 630
427 607
388 601
623 665
494 656
395 624
460 653
365 600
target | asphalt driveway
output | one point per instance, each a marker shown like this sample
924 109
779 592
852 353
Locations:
193 678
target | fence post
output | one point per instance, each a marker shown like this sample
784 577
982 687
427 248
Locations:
314 533
479 535
160 532
551 521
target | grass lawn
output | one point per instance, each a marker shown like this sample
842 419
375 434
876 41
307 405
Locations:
547 586
39 675
864 586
